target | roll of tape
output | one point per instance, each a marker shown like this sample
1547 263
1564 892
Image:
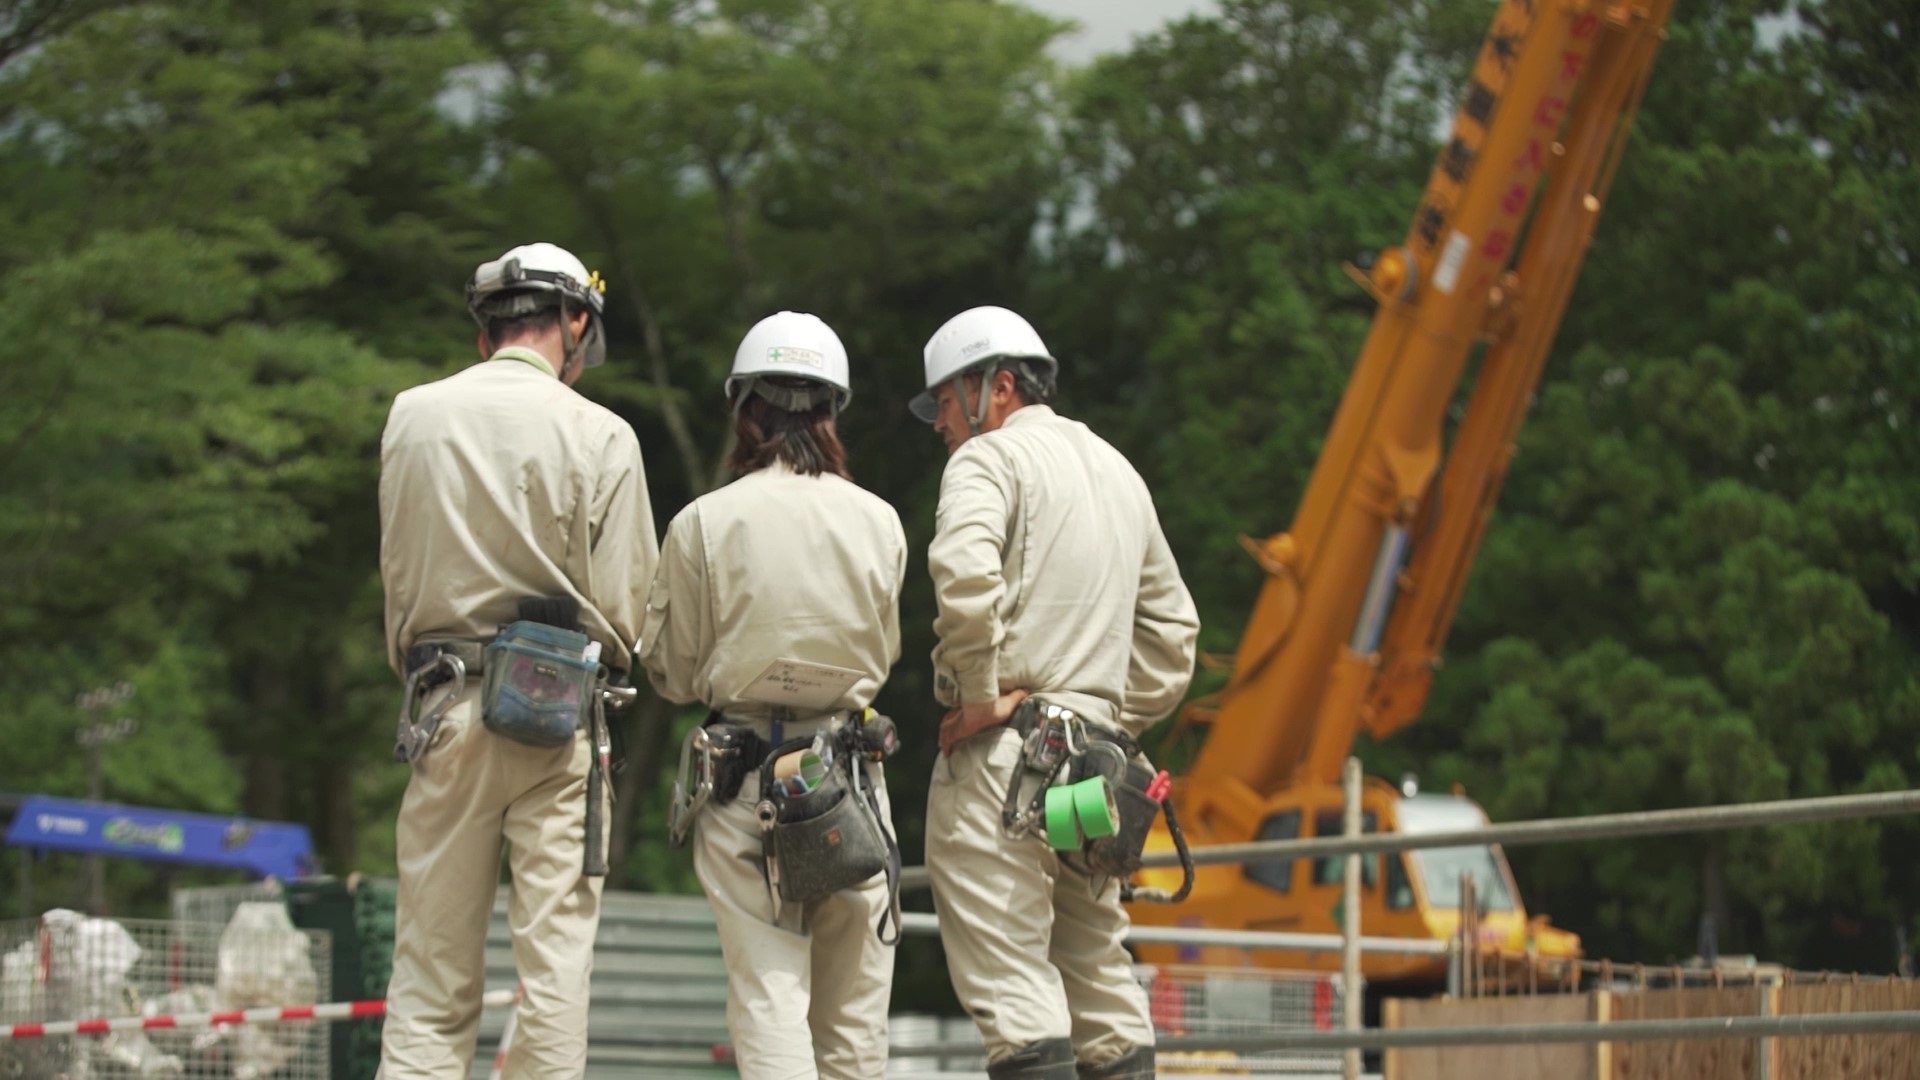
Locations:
1062 833
1094 807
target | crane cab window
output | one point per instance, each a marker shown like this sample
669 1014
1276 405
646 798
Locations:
1332 870
1275 874
1399 885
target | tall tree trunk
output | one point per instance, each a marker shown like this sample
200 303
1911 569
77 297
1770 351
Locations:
331 806
269 697
1713 892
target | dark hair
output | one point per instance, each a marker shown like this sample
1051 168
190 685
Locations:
504 329
1036 381
806 441
1033 380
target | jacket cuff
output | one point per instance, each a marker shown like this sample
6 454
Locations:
970 687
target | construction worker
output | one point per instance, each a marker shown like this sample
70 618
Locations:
790 563
498 485
1054 580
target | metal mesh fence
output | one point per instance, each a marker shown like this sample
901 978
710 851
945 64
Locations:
1183 1000
67 966
1194 1000
216 903
364 959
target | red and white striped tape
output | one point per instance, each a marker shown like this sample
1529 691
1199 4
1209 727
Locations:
506 1043
338 1010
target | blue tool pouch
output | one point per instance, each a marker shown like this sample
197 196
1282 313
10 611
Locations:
539 684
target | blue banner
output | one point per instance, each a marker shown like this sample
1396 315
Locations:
263 848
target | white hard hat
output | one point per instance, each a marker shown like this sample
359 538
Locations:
971 338
791 344
535 276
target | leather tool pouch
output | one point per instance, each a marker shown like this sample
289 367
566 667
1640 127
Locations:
825 840
1128 775
539 684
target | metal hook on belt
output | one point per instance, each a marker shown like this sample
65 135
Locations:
1039 767
415 735
692 788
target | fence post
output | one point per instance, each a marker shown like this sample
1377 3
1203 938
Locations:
1763 1047
1390 1058
1456 970
1351 997
1602 1051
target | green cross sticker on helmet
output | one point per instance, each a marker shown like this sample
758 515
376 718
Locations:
795 357
786 346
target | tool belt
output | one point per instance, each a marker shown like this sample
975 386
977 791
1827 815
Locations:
717 756
1090 791
471 654
821 826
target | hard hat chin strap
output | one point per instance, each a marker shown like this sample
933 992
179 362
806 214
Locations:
976 413
573 355
589 351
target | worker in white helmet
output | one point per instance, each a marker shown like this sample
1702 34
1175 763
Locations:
1056 591
501 487
790 568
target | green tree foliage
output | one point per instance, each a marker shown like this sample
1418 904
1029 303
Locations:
192 395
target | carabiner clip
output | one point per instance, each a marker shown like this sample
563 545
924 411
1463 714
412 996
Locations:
692 787
415 735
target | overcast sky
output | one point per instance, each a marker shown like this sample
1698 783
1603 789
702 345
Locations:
1108 25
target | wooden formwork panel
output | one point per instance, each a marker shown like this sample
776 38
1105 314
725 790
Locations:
1867 1057
1688 1059
1561 1061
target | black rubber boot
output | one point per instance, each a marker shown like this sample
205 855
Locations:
1135 1064
1048 1059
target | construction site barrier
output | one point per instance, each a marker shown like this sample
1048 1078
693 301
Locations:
334 1010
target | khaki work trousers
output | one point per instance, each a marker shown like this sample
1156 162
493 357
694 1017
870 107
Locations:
799 1005
470 793
1033 950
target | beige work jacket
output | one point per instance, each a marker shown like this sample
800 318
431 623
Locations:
501 482
775 566
1053 576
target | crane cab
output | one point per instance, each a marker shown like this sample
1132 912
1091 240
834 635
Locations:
1409 895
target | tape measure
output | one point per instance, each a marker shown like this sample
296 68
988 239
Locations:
1080 812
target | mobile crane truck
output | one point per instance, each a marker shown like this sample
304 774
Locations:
1361 590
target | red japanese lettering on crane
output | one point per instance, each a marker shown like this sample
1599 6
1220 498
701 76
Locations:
1532 159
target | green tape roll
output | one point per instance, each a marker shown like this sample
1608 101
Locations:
1062 833
1093 805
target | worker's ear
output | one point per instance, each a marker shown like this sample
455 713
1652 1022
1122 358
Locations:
1004 387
